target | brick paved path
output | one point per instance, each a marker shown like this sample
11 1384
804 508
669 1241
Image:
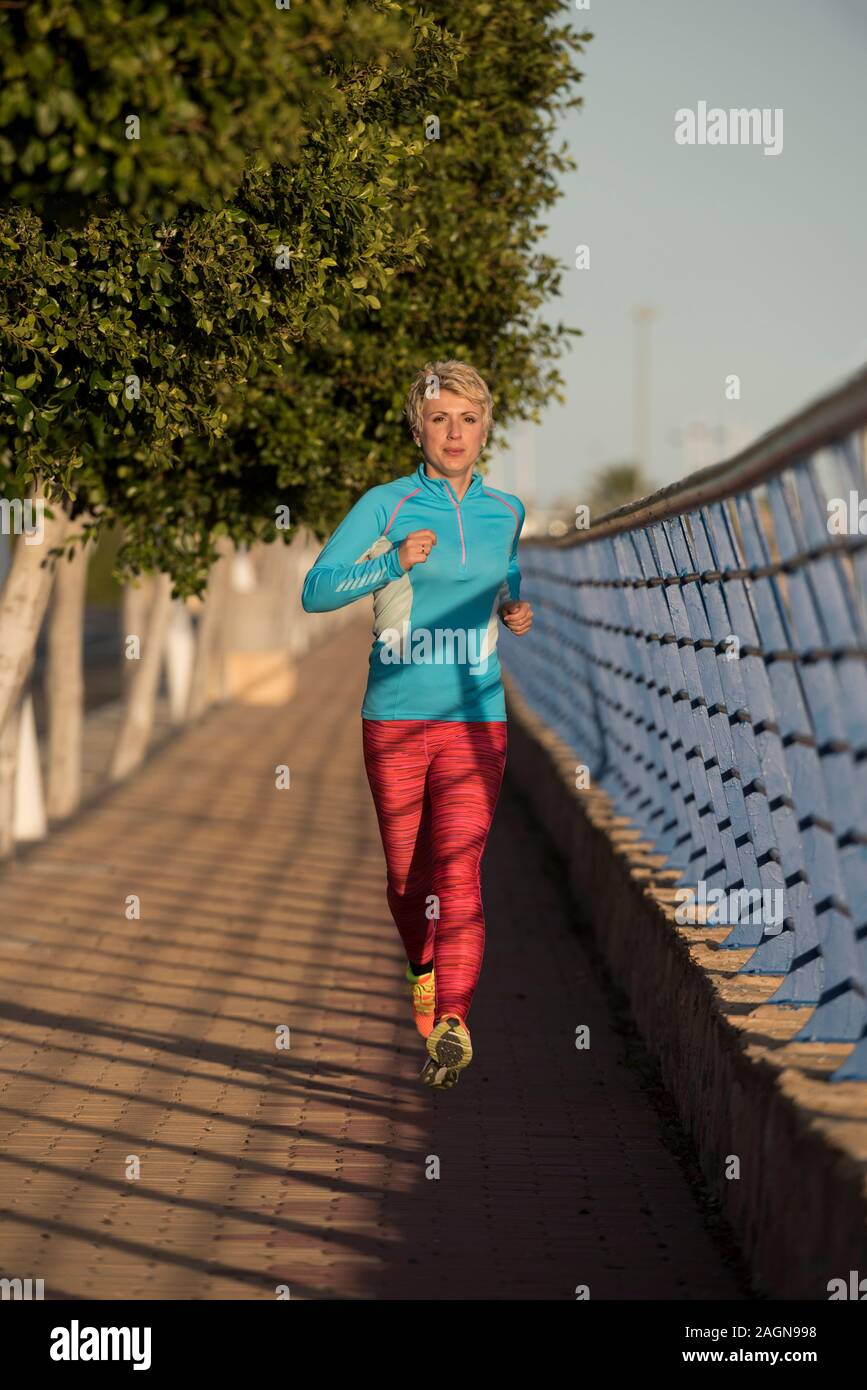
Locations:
306 1167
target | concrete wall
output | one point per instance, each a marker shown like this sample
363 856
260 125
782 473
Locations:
742 1087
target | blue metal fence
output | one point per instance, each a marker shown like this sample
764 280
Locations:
703 654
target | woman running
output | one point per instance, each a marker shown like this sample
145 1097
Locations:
438 549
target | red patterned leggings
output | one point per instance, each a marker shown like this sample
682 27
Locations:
435 785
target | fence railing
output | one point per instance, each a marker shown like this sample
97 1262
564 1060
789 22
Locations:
704 653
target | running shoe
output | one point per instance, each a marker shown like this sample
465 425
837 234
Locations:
423 991
449 1051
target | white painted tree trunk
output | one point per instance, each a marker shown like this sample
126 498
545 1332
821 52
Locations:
301 631
137 600
209 666
64 681
26 587
140 704
244 580
179 657
23 603
30 820
8 764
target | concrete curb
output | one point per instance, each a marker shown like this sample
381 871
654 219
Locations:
741 1086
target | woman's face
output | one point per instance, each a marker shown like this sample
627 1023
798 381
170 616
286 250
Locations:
452 435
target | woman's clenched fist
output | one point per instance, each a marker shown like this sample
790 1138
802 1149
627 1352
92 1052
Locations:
517 615
416 548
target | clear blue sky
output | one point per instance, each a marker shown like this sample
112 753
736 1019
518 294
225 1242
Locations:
754 263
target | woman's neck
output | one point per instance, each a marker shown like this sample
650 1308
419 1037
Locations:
458 481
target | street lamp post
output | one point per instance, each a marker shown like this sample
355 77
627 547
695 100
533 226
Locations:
642 317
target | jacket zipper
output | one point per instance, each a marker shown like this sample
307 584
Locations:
457 507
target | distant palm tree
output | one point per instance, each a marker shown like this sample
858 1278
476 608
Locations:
614 485
610 487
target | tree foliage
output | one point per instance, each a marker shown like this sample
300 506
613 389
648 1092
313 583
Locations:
266 384
211 86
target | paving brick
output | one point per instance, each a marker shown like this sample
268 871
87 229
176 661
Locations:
262 908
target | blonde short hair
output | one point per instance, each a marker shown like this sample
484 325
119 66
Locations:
458 377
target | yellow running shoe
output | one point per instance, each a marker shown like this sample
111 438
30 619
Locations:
449 1051
423 991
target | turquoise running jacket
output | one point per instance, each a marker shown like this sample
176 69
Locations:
435 626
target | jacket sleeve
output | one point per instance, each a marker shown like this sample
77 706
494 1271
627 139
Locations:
340 573
511 586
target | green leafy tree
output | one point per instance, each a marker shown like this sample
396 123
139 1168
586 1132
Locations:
156 107
117 331
129 317
330 425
